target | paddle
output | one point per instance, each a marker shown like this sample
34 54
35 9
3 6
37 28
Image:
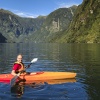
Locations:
13 80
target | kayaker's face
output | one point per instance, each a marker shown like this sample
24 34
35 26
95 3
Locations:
19 58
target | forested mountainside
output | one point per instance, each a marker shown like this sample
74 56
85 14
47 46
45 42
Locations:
85 26
56 22
15 28
64 25
41 29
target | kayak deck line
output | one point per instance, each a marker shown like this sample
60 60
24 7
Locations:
40 76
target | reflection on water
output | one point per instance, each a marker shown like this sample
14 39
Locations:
18 89
83 59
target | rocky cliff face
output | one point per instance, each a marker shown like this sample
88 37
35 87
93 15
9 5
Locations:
85 26
57 21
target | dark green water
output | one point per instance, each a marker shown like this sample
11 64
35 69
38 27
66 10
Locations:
84 59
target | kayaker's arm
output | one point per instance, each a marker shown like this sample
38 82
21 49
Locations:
13 73
21 72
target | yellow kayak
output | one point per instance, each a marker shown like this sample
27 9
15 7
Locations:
39 76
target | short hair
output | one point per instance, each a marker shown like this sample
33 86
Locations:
19 55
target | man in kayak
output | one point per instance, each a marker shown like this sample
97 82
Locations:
19 67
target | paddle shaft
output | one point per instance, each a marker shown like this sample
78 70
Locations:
28 66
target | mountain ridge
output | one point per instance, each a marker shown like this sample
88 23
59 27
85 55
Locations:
85 25
64 25
55 22
13 27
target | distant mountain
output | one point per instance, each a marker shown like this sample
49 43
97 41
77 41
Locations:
64 25
14 28
85 26
41 29
57 21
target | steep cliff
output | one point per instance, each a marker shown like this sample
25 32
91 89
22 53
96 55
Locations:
57 21
85 26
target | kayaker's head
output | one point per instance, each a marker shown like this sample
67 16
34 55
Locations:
19 58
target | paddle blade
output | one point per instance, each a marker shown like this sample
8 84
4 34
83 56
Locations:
34 60
13 80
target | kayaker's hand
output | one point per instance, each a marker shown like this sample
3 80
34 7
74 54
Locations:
22 71
18 74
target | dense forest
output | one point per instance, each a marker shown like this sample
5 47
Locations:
76 24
